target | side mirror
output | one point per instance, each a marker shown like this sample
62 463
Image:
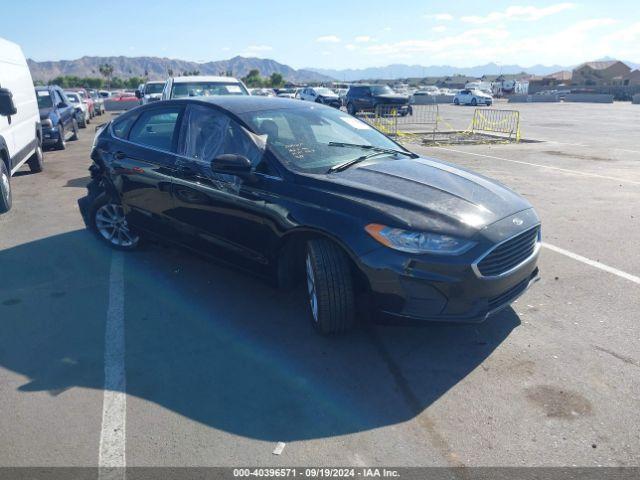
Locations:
61 105
7 107
138 94
232 164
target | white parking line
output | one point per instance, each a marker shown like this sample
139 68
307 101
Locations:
565 170
593 263
111 458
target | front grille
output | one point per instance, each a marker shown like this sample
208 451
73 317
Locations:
509 254
508 296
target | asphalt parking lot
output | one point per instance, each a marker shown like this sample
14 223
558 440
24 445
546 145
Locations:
215 367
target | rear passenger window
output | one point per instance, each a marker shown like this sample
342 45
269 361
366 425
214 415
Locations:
156 128
121 126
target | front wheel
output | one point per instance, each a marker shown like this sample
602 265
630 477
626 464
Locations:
74 128
329 287
62 142
474 102
36 161
456 101
351 109
5 187
109 222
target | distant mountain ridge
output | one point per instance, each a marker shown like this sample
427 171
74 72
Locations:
157 68
418 71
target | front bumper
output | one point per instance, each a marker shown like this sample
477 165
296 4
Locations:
50 136
445 289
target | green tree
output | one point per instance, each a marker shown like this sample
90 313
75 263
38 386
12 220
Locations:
253 80
276 80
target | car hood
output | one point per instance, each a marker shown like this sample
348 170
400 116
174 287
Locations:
425 194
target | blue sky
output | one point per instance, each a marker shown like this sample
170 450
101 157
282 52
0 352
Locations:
330 34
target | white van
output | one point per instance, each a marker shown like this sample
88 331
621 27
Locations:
20 131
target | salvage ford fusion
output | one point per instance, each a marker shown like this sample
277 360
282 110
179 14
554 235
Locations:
306 193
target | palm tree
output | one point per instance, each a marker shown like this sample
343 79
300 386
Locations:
106 71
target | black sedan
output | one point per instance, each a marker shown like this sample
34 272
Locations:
302 192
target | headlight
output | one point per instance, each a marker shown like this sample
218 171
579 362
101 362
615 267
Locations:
46 123
418 242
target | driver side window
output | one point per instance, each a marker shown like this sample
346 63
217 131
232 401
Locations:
207 133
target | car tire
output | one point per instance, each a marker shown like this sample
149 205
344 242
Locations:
474 102
74 127
456 101
62 143
83 123
351 109
36 162
106 218
5 187
329 287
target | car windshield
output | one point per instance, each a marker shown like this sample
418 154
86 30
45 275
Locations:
44 99
301 137
324 91
81 93
381 90
207 89
73 97
153 88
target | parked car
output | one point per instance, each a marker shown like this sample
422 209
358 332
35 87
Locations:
372 98
202 86
262 92
86 98
20 130
150 92
98 102
304 192
82 110
472 97
122 101
57 116
104 93
322 95
286 93
430 90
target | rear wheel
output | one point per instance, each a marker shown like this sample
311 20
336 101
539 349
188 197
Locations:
109 222
5 187
329 287
474 102
456 101
36 162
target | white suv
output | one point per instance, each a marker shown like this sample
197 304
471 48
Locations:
202 86
20 131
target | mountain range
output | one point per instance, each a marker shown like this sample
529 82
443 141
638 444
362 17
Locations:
418 71
157 68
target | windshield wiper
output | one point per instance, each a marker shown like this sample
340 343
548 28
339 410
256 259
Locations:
377 151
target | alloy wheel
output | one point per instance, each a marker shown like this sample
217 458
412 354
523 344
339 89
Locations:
6 186
112 225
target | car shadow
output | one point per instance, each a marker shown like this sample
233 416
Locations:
220 347
80 182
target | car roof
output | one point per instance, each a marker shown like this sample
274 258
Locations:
205 78
239 104
154 81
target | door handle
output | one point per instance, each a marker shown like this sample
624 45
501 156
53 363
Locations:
120 155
